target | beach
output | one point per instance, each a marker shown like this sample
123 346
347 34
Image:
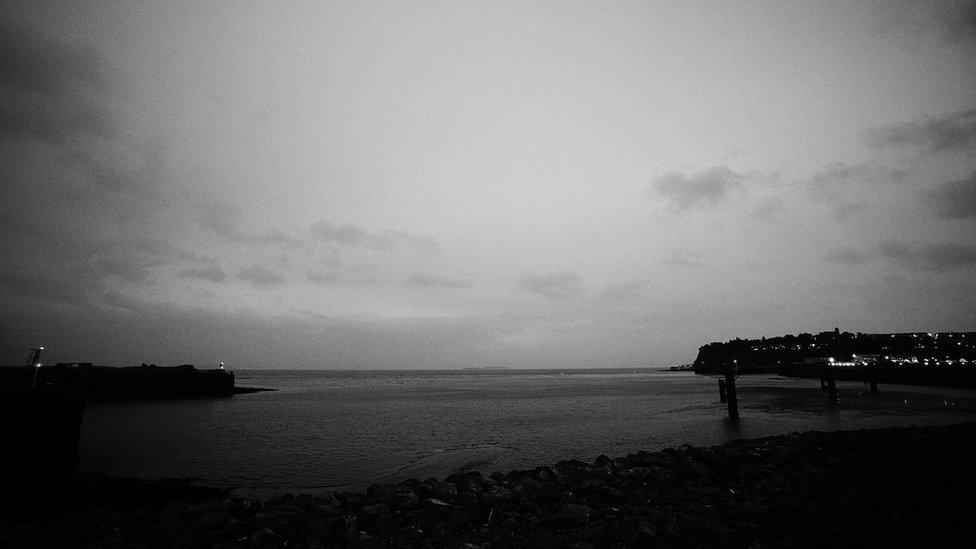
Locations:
902 486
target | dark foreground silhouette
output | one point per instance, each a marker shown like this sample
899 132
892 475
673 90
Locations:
889 487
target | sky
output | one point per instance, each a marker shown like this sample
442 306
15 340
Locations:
354 185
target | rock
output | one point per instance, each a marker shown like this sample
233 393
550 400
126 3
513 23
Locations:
497 494
244 508
576 512
166 533
204 540
405 498
573 469
318 529
265 539
282 518
374 510
326 510
446 491
526 488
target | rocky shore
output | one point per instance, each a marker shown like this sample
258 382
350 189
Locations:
888 487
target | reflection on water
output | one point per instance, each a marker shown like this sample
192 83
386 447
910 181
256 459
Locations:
345 430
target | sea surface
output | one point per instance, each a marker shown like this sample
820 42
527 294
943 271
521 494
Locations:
342 430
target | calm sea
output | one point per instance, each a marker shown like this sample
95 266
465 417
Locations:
335 430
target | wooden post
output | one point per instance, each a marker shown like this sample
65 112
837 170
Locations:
730 395
721 390
831 385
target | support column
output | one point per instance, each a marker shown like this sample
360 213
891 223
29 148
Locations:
731 398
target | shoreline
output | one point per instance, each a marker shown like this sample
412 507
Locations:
899 485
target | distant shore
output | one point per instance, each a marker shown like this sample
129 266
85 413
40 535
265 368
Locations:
898 486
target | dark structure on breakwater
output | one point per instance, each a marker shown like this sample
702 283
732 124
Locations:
918 358
134 382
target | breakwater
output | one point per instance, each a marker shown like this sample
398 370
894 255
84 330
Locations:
134 382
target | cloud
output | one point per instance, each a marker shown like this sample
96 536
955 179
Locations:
213 274
261 277
625 291
953 21
840 186
435 281
933 257
225 221
561 285
85 271
351 235
709 187
963 25
770 211
956 131
365 274
682 258
51 91
847 256
955 199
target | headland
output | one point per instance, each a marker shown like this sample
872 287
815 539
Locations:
914 358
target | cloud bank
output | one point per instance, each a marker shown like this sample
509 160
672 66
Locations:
955 199
705 188
953 132
556 286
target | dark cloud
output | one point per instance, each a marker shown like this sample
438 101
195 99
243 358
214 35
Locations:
225 221
933 257
213 274
770 211
261 277
956 131
79 269
963 25
839 185
625 291
953 21
351 235
847 256
364 274
562 285
53 286
422 280
50 91
955 199
704 188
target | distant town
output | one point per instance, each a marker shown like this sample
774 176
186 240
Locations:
802 354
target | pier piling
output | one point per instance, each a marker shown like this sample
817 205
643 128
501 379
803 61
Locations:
730 396
829 384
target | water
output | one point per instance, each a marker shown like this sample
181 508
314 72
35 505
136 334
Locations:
327 430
